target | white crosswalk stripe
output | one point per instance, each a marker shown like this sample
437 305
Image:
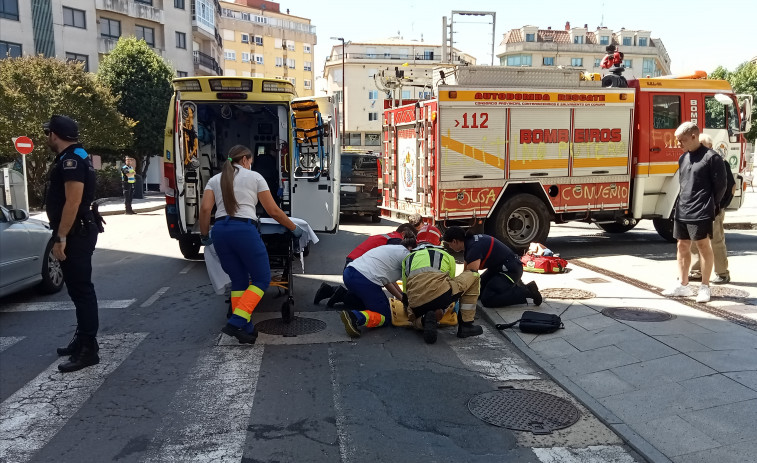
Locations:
64 305
7 341
591 454
211 410
484 355
37 411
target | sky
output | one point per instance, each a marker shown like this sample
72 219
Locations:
695 36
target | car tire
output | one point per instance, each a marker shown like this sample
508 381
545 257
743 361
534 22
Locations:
376 218
190 247
52 272
664 228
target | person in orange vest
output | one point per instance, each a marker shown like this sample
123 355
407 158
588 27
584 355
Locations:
426 232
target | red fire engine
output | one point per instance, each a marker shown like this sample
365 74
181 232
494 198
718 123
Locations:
515 149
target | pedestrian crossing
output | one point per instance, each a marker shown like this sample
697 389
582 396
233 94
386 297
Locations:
63 305
208 415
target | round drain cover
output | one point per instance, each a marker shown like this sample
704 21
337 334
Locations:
297 326
637 314
566 293
524 410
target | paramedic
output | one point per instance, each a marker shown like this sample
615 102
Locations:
365 276
428 276
427 233
70 192
501 284
235 192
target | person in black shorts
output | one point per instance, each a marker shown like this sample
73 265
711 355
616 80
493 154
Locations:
702 175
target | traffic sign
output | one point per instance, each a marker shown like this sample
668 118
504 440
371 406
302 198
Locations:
24 145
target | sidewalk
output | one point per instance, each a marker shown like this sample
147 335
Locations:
152 201
746 217
681 390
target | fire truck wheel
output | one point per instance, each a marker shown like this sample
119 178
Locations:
664 228
616 227
190 247
521 220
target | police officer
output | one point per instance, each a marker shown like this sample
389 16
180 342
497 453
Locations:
70 191
129 178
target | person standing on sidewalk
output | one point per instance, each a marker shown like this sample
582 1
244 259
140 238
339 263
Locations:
718 231
702 176
129 177
70 192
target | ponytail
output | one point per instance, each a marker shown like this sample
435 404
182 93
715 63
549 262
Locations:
408 240
236 154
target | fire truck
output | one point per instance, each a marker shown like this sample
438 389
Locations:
516 149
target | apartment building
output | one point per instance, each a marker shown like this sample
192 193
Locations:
581 48
261 41
183 32
368 68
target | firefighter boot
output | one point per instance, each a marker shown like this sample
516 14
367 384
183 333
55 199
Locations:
468 329
324 291
72 348
86 357
430 325
338 296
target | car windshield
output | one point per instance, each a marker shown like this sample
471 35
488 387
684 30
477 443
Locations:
357 162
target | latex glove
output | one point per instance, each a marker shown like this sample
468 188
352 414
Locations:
206 240
297 232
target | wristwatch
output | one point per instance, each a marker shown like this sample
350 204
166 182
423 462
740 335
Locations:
59 239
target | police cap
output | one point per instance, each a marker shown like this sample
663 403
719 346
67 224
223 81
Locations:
63 126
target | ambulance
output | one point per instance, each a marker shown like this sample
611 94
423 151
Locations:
516 149
209 115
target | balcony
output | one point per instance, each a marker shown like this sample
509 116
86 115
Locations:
206 64
132 9
106 45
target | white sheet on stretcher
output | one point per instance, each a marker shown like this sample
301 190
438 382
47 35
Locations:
221 281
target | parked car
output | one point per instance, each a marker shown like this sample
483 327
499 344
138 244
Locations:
26 257
359 191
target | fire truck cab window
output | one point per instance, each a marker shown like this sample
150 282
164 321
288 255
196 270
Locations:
714 113
666 111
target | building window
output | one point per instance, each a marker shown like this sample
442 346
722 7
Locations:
110 28
258 40
373 116
519 60
406 94
9 10
290 45
292 80
306 48
290 63
308 66
353 139
230 55
627 41
373 94
261 19
372 139
258 59
648 67
245 38
145 33
604 40
182 73
245 57
279 62
548 61
203 11
72 17
77 58
666 111
146 2
308 84
181 40
278 43
428 55
578 62
597 62
178 4
643 42
10 49
628 63
578 39
530 37
370 52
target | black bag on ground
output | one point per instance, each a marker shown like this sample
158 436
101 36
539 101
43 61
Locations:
535 322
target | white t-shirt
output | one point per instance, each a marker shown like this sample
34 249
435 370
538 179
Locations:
381 265
247 184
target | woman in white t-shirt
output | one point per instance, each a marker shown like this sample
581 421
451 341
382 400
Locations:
235 192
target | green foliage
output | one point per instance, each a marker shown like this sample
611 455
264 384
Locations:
32 89
142 81
109 183
743 80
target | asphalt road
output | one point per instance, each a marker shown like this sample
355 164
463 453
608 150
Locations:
171 388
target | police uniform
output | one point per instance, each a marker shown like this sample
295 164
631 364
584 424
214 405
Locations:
500 284
129 178
74 165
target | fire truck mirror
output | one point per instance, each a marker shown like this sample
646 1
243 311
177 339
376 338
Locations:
553 191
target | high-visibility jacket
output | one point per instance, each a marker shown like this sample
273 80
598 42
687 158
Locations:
427 259
430 234
374 242
130 175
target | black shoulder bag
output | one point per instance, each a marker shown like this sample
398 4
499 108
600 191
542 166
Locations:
535 322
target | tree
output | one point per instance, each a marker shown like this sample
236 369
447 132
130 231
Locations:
142 81
34 88
743 80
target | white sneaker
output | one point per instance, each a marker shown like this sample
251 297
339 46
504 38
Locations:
704 294
679 291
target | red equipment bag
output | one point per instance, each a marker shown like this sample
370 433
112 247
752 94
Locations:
543 264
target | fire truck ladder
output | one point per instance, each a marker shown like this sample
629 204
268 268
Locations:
309 149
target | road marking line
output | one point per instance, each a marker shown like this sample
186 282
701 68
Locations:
7 341
211 411
155 296
187 268
484 354
64 305
593 453
36 412
346 451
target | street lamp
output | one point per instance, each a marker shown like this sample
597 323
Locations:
344 89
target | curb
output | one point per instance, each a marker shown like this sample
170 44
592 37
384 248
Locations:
137 210
628 435
740 226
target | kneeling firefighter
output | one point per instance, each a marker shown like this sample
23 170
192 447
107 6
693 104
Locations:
428 277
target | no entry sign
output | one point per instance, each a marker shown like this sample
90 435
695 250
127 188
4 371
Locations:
24 145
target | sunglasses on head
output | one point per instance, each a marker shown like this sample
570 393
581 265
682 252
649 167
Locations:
47 132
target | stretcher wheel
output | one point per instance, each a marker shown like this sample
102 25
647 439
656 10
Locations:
287 311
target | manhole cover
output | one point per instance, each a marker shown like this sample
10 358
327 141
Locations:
594 280
566 293
524 410
637 314
298 326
